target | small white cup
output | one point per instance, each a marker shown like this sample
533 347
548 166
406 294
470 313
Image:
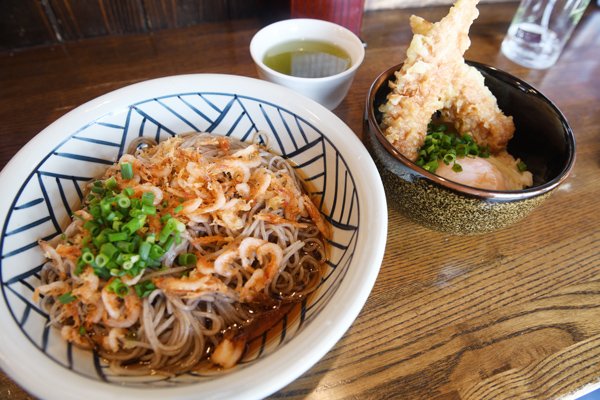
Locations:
328 91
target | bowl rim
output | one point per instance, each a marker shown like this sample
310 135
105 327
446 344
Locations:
499 195
311 21
353 290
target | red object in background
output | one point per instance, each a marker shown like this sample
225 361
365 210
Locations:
347 13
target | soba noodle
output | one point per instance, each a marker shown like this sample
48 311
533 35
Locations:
236 236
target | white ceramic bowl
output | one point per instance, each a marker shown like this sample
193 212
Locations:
43 184
328 91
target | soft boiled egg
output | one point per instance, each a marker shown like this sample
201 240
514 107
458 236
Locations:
476 172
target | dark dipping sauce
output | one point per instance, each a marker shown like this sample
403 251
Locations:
307 59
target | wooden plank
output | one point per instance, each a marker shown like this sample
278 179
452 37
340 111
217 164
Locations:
24 23
82 19
123 16
162 14
77 19
33 22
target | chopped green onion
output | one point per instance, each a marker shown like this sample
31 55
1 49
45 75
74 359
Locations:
97 189
137 239
134 225
110 183
87 257
123 201
118 287
521 166
102 272
79 268
105 206
156 252
144 250
143 289
108 249
447 147
177 224
96 211
100 239
153 263
135 211
117 236
448 158
148 198
186 259
178 209
114 216
101 260
86 240
118 242
92 226
170 241
111 264
82 330
165 233
121 258
441 128
456 167
66 298
131 261
126 171
148 210
126 247
431 166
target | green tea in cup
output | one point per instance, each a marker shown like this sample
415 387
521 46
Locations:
313 57
307 58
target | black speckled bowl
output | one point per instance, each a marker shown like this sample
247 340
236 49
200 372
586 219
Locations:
543 139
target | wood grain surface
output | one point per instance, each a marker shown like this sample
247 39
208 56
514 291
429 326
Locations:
509 315
26 23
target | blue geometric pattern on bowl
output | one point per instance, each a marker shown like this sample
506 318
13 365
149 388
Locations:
55 188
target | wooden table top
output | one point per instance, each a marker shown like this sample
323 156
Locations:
512 314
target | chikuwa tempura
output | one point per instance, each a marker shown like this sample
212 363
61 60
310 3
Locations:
178 250
435 81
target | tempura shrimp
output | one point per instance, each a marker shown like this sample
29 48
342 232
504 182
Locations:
434 77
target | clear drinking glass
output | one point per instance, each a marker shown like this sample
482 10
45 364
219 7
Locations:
540 29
